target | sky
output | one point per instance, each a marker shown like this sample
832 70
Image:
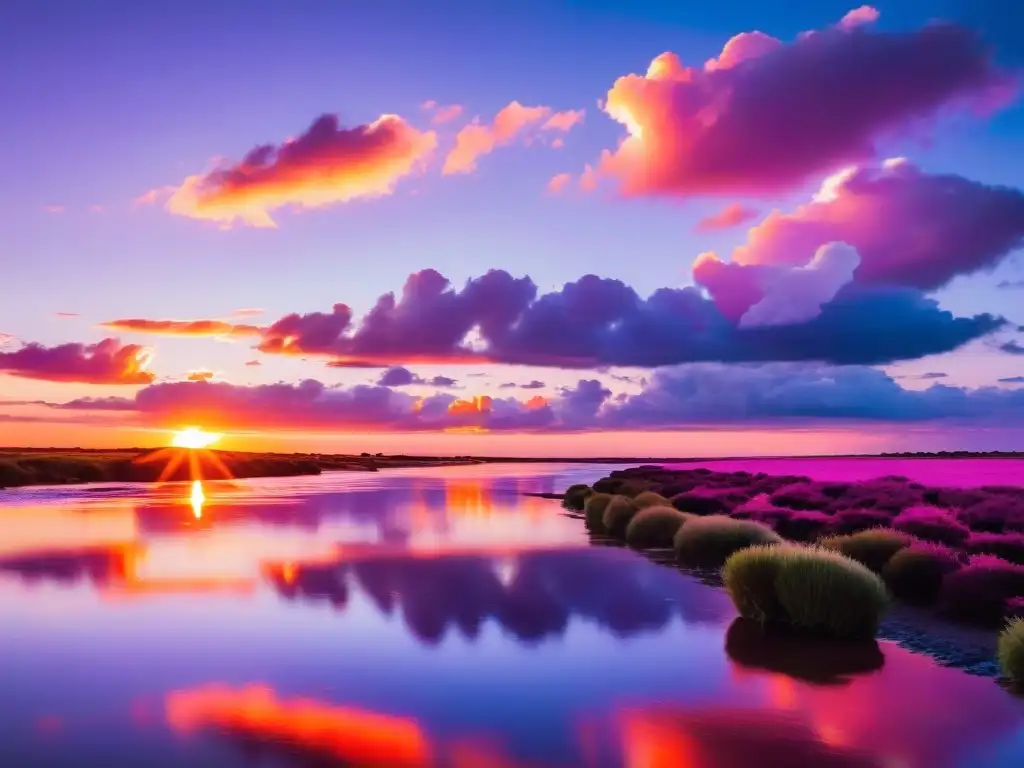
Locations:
514 228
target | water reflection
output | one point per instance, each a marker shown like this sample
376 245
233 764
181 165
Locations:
531 595
423 619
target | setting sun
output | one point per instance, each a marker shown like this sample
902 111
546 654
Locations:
194 437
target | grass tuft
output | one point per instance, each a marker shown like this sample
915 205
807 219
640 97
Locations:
915 573
617 514
576 496
593 511
708 541
655 527
872 547
1010 652
813 590
650 499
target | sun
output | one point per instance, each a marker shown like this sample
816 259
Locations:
195 438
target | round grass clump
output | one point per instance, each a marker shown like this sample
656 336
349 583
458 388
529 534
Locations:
872 548
617 514
1010 652
651 499
915 573
813 590
655 527
749 578
1009 546
932 524
593 510
576 496
825 592
708 541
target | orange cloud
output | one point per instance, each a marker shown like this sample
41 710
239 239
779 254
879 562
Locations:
732 215
326 165
183 327
248 311
200 375
476 139
559 182
106 362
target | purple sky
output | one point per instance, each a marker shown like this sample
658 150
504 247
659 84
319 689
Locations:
172 161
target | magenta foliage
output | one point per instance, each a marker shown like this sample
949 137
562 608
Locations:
802 496
932 524
1008 546
916 572
978 592
995 514
854 520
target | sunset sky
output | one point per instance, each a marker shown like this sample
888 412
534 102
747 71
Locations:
525 228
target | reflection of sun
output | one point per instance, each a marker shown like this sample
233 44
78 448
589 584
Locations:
194 437
197 498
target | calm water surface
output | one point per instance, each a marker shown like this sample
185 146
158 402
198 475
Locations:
421 618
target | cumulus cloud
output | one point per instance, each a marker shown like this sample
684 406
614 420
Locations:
732 215
796 295
674 398
326 165
218 328
597 321
910 228
766 116
106 362
397 376
512 122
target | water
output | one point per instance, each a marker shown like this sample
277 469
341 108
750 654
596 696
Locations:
416 618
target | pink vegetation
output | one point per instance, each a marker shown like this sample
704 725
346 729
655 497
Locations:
767 115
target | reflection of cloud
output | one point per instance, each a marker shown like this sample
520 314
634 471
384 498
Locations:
531 595
729 738
313 728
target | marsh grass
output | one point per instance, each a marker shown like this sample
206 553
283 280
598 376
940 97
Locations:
915 573
617 514
810 589
708 541
1010 652
576 496
871 548
593 511
979 592
650 499
655 527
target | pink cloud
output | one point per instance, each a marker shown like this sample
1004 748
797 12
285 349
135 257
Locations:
326 165
512 122
732 215
673 398
442 113
858 16
182 327
106 362
910 228
559 182
253 363
248 311
66 314
54 208
563 121
765 116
